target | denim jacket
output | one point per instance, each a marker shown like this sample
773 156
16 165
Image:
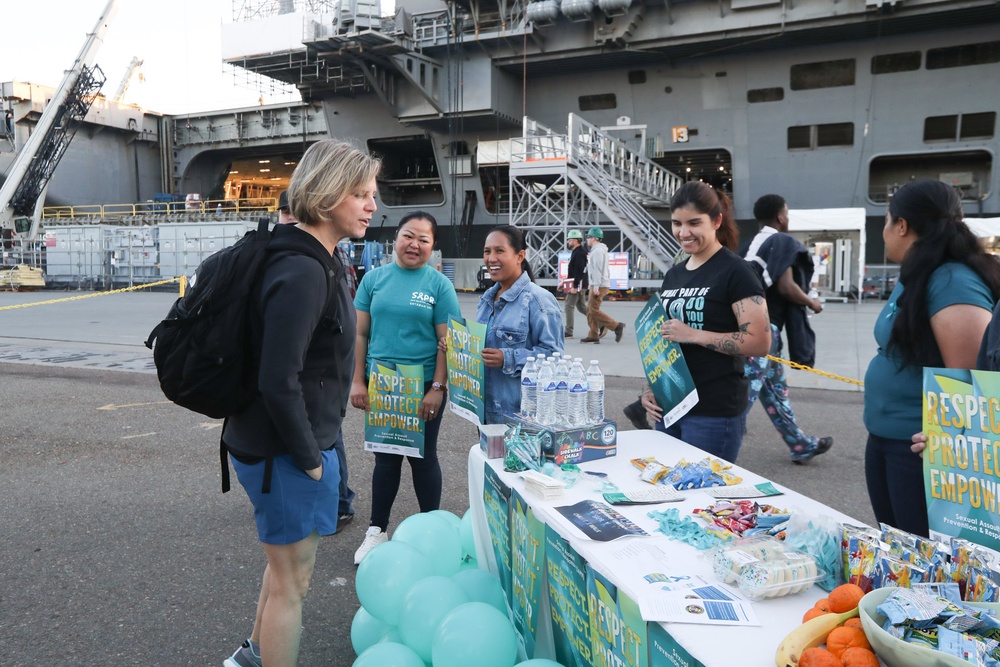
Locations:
526 321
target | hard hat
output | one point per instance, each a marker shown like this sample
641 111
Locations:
596 232
575 234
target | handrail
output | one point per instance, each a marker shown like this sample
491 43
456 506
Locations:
206 206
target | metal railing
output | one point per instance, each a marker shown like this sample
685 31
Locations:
207 206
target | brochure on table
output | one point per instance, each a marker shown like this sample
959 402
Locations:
655 573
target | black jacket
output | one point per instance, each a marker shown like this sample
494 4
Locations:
577 269
306 366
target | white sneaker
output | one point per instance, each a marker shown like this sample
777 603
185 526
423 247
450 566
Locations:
373 538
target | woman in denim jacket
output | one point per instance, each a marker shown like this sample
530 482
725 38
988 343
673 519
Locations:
521 318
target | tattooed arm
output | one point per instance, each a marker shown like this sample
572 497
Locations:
752 339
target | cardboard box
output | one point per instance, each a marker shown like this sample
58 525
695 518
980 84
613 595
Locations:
575 445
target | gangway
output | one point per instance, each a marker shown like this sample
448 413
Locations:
587 178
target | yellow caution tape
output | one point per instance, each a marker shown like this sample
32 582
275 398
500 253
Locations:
803 367
92 295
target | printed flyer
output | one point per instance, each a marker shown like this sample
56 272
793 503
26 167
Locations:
527 538
466 370
393 424
599 521
664 365
617 631
567 580
961 419
496 497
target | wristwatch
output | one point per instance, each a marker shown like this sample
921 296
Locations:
438 386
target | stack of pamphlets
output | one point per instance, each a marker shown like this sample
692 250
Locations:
543 486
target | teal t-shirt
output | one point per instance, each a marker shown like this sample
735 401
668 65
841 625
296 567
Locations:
893 392
405 305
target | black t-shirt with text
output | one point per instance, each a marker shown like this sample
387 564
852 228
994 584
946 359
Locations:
703 299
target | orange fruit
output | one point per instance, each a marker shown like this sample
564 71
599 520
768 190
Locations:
823 603
845 598
812 613
854 623
843 638
817 657
859 657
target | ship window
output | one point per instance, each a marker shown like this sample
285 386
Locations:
598 102
800 136
963 55
820 136
940 128
765 95
834 134
978 125
896 62
637 76
828 74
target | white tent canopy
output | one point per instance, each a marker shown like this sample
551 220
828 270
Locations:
983 227
832 220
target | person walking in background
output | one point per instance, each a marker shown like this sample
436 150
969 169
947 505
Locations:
577 272
936 316
716 310
786 268
345 513
281 446
522 320
599 277
403 310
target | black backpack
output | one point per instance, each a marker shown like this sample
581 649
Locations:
203 350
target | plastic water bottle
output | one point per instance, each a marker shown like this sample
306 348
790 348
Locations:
578 390
561 416
546 395
595 393
529 388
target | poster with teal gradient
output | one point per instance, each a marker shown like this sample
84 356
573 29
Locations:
527 545
465 369
496 498
665 651
566 572
392 423
617 632
961 419
664 365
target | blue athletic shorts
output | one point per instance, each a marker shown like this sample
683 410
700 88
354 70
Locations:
297 504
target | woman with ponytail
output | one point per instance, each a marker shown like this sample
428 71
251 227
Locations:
521 318
717 313
936 316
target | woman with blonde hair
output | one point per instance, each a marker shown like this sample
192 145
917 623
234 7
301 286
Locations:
282 446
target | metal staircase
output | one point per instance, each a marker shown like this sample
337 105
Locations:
583 179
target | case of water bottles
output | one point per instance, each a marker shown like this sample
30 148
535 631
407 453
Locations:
567 399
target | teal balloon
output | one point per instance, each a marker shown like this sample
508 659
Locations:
435 538
392 635
389 654
468 537
424 607
539 662
452 520
474 634
366 631
482 586
386 574
469 564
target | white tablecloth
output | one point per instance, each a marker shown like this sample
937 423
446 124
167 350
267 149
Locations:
723 646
